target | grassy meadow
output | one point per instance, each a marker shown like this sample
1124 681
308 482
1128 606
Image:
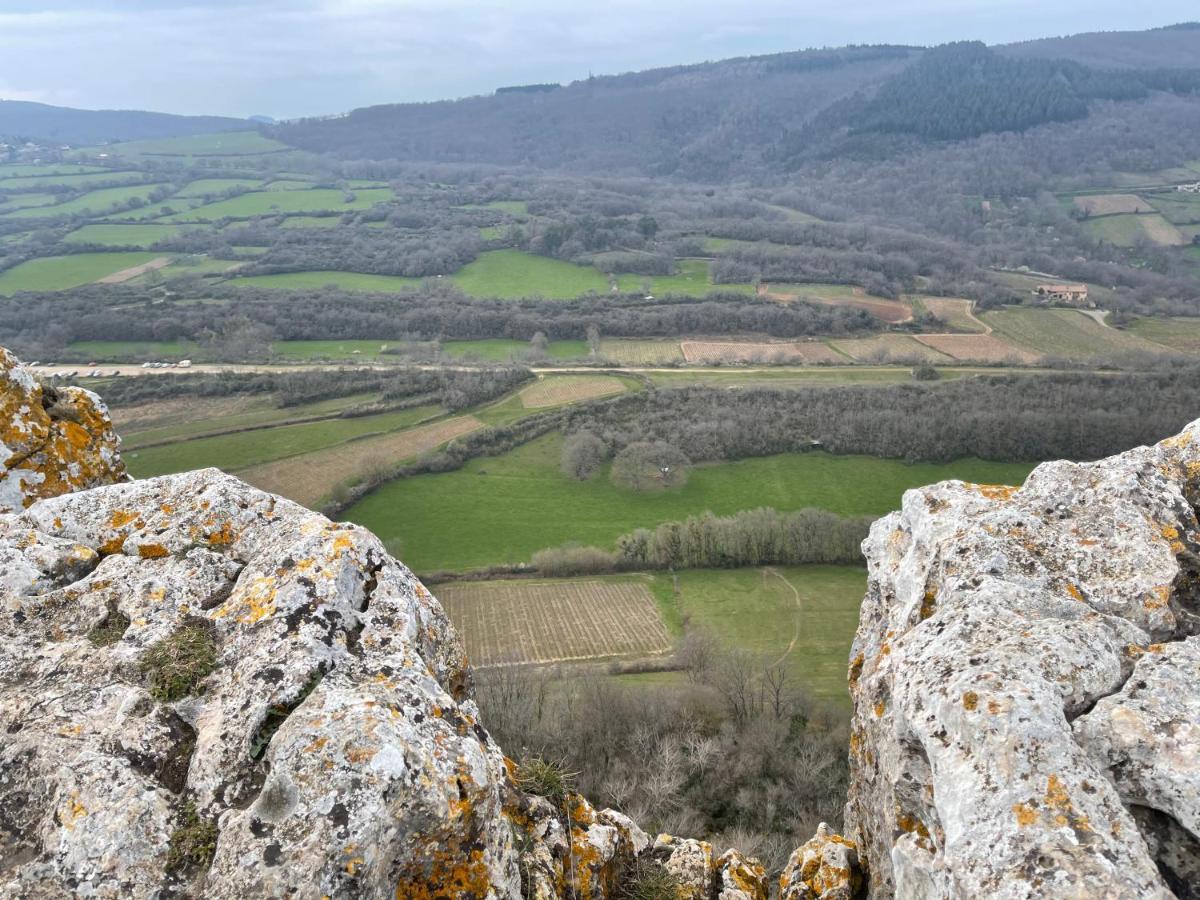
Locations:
503 509
59 273
96 202
263 203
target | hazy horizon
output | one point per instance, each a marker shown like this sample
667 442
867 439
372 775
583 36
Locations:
321 57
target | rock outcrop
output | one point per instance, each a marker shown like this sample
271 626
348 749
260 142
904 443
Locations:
1026 684
207 690
51 440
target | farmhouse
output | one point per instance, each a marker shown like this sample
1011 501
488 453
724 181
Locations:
1193 188
1070 294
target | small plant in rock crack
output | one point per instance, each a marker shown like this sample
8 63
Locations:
543 778
176 665
110 629
193 843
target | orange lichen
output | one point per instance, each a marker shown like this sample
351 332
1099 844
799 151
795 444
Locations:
879 708
855 671
222 536
995 491
1075 593
970 700
1171 535
121 518
928 602
152 551
1159 597
1026 815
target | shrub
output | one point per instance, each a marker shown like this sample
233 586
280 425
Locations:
926 372
543 778
176 665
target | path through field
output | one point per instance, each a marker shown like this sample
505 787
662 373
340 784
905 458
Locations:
796 630
135 271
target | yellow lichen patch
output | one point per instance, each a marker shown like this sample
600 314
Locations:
167 509
928 602
1075 593
359 755
318 743
112 545
257 601
1171 535
1159 597
71 812
1026 814
352 859
995 491
1178 441
855 670
970 700
222 536
121 518
152 551
879 708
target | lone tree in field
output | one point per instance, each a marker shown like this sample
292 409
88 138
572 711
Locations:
648 466
582 455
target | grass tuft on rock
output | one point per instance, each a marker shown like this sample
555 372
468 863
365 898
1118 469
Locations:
193 843
176 665
110 630
648 880
543 778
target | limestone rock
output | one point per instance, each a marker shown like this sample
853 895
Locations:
825 868
689 862
51 440
1024 684
332 751
740 877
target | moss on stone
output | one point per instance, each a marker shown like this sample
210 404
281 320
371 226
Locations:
193 843
176 665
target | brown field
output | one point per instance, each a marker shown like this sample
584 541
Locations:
135 271
976 347
513 622
955 313
1113 204
555 390
760 351
311 478
891 311
158 413
1162 232
642 353
886 348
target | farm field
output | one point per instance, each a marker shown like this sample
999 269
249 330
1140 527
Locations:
555 390
235 452
808 352
765 610
885 348
349 281
203 186
72 181
263 203
1179 209
693 279
955 313
976 348
26 170
892 312
1177 333
159 421
313 477
641 353
1112 204
512 622
191 265
1127 230
97 202
502 509
1064 332
58 273
122 235
503 350
228 143
510 274
311 222
159 262
24 201
357 351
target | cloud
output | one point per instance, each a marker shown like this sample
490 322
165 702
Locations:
307 57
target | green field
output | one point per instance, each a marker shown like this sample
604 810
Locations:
501 350
94 202
692 279
1127 230
122 235
1178 334
263 203
216 186
758 610
311 222
58 273
25 170
24 201
510 274
228 143
503 509
349 281
194 264
71 181
289 184
1064 332
360 351
233 452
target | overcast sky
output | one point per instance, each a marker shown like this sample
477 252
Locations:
288 58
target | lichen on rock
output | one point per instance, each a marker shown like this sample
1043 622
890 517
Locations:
52 440
1025 684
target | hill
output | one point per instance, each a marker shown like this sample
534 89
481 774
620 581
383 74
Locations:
1177 46
19 118
758 115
